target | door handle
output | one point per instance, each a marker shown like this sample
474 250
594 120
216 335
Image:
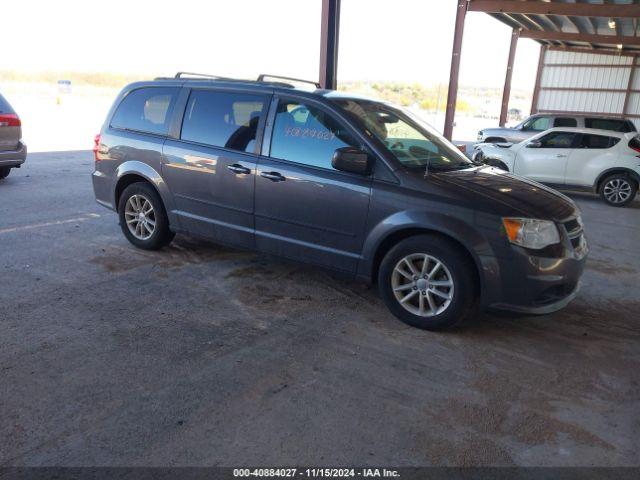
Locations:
237 168
273 176
560 155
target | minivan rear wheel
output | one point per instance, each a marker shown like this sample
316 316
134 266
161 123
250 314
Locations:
427 282
4 172
143 218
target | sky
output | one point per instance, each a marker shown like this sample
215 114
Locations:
380 40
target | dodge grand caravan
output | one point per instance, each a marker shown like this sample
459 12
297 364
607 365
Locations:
344 182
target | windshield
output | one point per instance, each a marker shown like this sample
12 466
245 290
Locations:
411 141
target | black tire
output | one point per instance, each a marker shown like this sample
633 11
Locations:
457 265
161 235
624 185
4 172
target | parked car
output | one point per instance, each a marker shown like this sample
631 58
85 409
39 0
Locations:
346 183
600 161
542 122
13 151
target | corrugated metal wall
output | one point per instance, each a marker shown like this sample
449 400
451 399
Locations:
590 83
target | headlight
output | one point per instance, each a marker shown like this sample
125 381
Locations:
530 233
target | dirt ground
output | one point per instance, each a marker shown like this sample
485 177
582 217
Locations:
203 355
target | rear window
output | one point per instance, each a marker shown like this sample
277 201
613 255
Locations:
223 119
146 110
598 141
4 106
608 124
565 122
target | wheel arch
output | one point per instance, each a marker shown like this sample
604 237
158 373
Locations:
134 171
495 139
495 162
615 171
463 237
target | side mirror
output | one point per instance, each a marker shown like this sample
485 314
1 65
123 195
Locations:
352 160
534 144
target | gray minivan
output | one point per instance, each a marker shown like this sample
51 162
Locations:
347 183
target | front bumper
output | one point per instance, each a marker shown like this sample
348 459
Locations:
13 158
537 286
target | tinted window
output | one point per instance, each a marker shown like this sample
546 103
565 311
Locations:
608 124
146 110
223 119
558 140
598 141
408 139
538 124
306 134
4 106
565 122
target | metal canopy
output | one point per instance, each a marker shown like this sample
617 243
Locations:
591 24
595 26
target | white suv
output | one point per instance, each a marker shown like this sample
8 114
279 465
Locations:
602 161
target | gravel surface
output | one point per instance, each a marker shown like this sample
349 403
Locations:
204 355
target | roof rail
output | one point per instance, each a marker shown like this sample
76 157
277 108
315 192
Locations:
262 76
203 75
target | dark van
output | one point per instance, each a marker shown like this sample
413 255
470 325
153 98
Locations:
347 183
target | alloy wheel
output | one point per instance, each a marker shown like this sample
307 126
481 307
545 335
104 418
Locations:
422 284
617 190
140 217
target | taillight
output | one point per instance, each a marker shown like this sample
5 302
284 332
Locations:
96 146
634 146
9 120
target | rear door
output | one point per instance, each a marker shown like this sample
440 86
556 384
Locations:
593 155
548 162
210 169
10 130
305 209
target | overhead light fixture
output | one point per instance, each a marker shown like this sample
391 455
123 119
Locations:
612 23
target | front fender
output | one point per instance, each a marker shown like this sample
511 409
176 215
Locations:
134 167
462 232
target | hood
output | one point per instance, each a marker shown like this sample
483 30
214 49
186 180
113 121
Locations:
517 195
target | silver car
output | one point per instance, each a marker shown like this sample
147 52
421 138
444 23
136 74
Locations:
541 122
12 151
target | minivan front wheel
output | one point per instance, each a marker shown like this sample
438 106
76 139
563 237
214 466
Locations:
143 218
427 282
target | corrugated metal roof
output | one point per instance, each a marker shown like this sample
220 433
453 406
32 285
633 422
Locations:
601 25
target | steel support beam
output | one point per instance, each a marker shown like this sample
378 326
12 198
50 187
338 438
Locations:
632 75
536 89
580 37
506 92
452 94
555 8
329 33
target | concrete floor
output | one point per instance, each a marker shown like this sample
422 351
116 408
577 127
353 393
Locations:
201 355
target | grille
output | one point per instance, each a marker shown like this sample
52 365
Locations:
574 232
